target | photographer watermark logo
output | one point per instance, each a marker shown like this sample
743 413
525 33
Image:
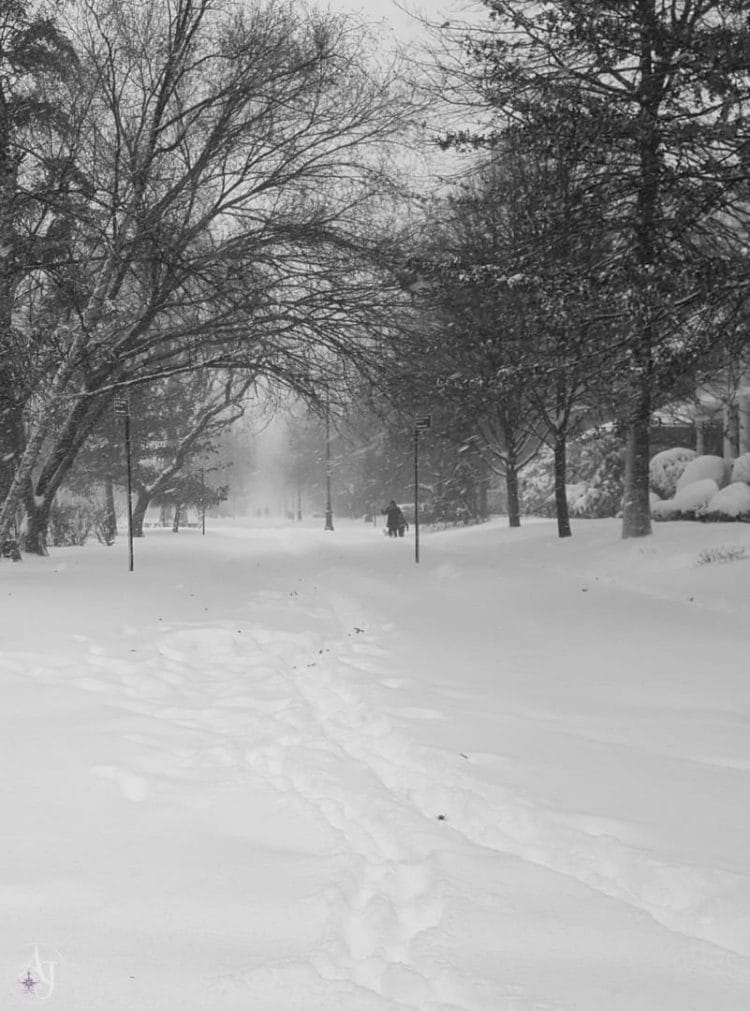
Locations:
37 978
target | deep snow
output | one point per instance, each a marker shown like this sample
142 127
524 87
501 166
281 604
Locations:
283 769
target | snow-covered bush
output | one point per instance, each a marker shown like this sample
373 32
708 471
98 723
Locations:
595 478
70 523
537 485
688 502
575 493
105 526
741 469
729 503
601 464
662 509
704 468
722 553
667 467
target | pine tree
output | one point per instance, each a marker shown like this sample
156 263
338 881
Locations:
666 84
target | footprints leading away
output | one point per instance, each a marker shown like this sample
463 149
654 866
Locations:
222 704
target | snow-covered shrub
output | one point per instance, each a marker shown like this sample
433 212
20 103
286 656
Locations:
704 468
105 526
9 548
741 469
663 509
729 503
537 485
595 478
667 467
601 465
722 553
70 523
575 493
689 501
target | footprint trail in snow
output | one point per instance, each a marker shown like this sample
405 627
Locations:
225 702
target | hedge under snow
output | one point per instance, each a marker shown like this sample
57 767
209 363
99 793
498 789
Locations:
667 467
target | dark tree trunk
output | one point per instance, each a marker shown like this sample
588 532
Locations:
514 499
139 512
37 524
176 520
483 490
39 496
110 512
561 473
636 507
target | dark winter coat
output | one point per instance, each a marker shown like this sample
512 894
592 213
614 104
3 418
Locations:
395 520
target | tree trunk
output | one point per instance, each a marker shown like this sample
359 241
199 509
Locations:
110 512
636 507
142 503
514 499
176 520
484 495
561 473
37 524
68 442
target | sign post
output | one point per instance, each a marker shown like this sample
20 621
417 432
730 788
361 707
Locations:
122 409
329 505
420 425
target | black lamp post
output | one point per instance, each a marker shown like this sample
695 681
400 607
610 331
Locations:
329 507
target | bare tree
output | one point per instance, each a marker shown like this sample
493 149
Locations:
236 158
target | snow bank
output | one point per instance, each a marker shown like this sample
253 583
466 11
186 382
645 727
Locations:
666 468
704 468
734 500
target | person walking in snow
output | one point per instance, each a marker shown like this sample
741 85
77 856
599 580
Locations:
395 520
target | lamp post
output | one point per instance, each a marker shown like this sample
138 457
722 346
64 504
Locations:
329 507
122 410
422 424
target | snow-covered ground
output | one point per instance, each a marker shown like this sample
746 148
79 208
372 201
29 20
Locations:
283 769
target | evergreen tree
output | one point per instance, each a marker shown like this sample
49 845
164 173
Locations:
667 85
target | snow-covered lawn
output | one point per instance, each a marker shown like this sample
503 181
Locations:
279 769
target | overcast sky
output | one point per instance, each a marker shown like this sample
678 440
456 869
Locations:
398 16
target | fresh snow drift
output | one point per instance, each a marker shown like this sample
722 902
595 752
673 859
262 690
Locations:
286 769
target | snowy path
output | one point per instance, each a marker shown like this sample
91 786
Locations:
284 772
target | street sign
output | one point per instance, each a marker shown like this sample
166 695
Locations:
121 405
423 423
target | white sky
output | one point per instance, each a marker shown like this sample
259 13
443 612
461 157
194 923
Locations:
404 17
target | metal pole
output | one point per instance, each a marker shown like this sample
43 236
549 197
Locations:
128 458
416 494
329 506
